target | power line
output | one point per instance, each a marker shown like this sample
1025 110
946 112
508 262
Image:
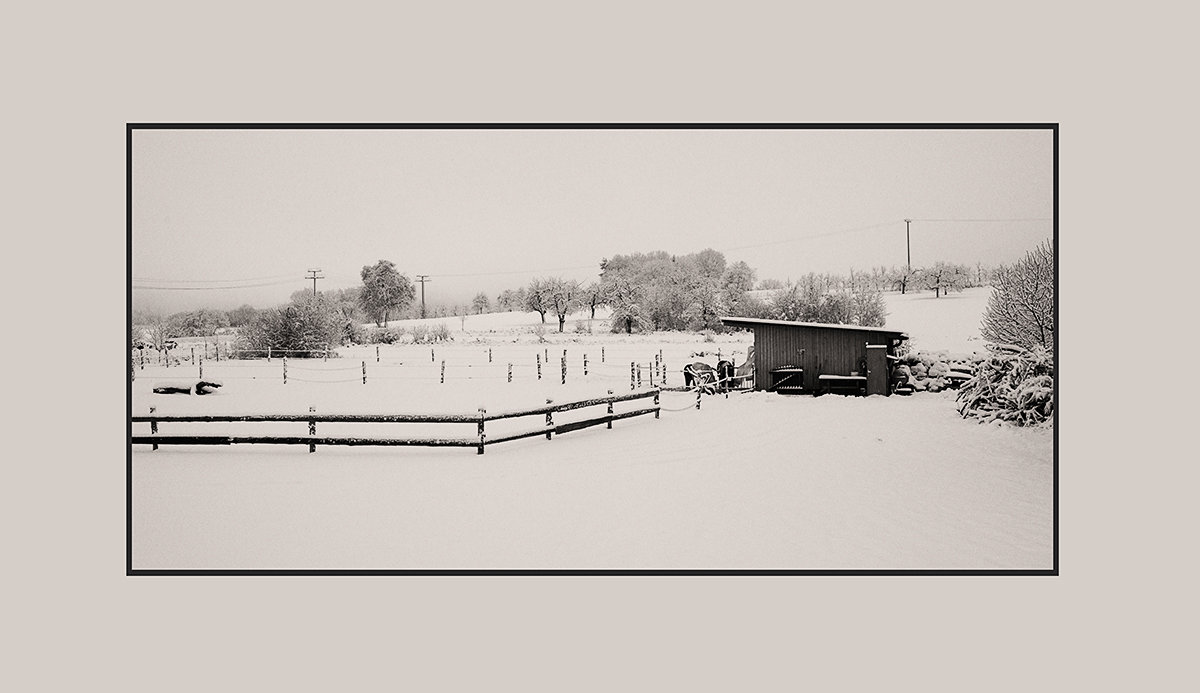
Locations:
537 271
223 284
811 236
210 281
210 288
989 220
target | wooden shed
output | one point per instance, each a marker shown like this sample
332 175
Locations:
814 357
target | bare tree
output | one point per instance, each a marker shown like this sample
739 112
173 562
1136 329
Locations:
1021 309
943 277
536 297
593 295
563 296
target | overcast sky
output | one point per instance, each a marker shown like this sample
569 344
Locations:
226 217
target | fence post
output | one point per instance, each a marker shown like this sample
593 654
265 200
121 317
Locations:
482 413
443 371
547 350
549 419
376 353
610 409
601 354
631 379
539 362
193 352
268 354
312 428
201 365
285 370
141 359
585 364
326 353
364 372
489 354
650 370
656 407
153 427
698 397
663 380
510 372
432 358
639 375
564 368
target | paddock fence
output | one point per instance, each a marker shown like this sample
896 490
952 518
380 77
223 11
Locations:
480 419
512 364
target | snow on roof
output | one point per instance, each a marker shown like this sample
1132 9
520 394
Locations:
750 322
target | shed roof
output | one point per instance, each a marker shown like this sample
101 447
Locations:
751 322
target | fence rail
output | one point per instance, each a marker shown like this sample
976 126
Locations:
313 418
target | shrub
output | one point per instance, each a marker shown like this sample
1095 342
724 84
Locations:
426 334
386 335
354 333
1014 385
301 326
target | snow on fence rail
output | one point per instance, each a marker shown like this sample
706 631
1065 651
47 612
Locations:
312 419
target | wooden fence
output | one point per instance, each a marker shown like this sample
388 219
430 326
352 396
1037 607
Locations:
312 419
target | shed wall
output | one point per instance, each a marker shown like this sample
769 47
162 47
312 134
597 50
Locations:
825 351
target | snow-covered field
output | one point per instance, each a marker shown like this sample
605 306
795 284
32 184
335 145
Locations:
753 481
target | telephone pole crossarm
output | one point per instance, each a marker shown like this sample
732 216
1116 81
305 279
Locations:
422 278
314 274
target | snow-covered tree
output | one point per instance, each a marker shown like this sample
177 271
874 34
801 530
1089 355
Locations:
481 303
627 300
944 277
384 291
593 296
563 296
1021 309
537 297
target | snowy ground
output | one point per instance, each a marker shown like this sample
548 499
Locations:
752 481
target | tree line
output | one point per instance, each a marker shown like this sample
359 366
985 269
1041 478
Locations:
645 291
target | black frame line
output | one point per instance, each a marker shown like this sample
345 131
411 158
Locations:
131 572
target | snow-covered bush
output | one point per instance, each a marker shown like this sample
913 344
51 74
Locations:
301 326
386 335
430 334
1012 384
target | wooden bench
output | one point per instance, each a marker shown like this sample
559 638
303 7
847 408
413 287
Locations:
850 384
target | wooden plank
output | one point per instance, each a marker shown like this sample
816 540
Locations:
568 406
515 436
559 429
635 395
320 418
631 414
301 440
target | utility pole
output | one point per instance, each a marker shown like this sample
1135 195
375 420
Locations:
423 278
908 244
314 276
